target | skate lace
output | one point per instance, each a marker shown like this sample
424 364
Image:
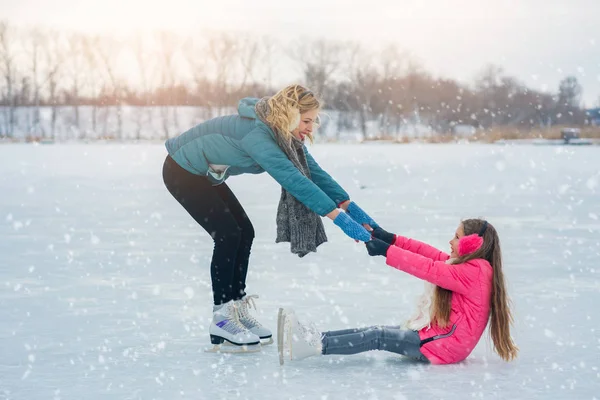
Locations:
245 304
235 325
311 334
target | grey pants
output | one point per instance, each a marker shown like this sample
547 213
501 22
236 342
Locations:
389 338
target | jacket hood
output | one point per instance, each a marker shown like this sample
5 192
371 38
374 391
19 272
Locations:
246 107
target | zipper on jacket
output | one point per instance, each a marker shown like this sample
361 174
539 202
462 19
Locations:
436 337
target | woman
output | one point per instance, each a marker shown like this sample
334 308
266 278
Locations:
265 135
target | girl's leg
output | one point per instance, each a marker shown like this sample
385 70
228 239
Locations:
353 330
242 257
203 202
393 339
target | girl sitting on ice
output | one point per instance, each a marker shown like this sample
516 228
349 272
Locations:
467 290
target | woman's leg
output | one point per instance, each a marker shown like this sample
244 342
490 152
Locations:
242 257
204 203
393 339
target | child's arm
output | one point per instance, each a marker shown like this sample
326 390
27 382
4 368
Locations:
459 278
421 248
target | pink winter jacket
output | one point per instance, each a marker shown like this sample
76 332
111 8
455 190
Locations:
471 284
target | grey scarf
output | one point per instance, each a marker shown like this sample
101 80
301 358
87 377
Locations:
296 223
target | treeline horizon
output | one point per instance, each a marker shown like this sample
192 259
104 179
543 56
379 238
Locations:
43 67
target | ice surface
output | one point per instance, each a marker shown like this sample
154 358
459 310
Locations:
105 286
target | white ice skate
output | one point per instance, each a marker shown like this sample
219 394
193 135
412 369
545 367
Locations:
296 341
228 334
243 307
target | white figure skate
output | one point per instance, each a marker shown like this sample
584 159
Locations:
243 307
228 334
296 341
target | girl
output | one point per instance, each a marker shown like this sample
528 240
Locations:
467 290
266 135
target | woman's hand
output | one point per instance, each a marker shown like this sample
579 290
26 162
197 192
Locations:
359 215
351 227
344 205
332 215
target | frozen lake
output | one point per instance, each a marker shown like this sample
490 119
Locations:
105 286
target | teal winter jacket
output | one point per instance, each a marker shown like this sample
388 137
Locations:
239 144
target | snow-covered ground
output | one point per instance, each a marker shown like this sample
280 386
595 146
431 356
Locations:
153 122
104 279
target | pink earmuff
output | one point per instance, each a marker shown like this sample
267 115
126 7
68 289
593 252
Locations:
471 243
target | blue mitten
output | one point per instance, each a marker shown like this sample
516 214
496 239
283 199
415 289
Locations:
352 228
360 216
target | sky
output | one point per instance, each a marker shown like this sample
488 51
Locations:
539 42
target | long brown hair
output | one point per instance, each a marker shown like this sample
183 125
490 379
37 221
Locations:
500 313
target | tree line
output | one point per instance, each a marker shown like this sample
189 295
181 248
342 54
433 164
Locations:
44 68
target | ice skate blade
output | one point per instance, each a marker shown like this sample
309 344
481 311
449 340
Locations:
229 348
280 324
266 341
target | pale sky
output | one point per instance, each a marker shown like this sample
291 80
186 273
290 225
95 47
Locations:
537 41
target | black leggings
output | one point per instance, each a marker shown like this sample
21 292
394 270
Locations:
220 213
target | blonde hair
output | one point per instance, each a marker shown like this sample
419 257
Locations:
500 313
287 105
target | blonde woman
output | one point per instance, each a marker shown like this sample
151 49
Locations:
266 135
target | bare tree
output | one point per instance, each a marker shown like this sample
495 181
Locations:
569 101
363 81
169 45
8 69
194 52
249 53
318 60
222 50
147 72
35 44
268 60
55 56
94 81
394 62
108 51
75 69
569 92
488 86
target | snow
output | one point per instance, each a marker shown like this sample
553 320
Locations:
150 123
105 286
